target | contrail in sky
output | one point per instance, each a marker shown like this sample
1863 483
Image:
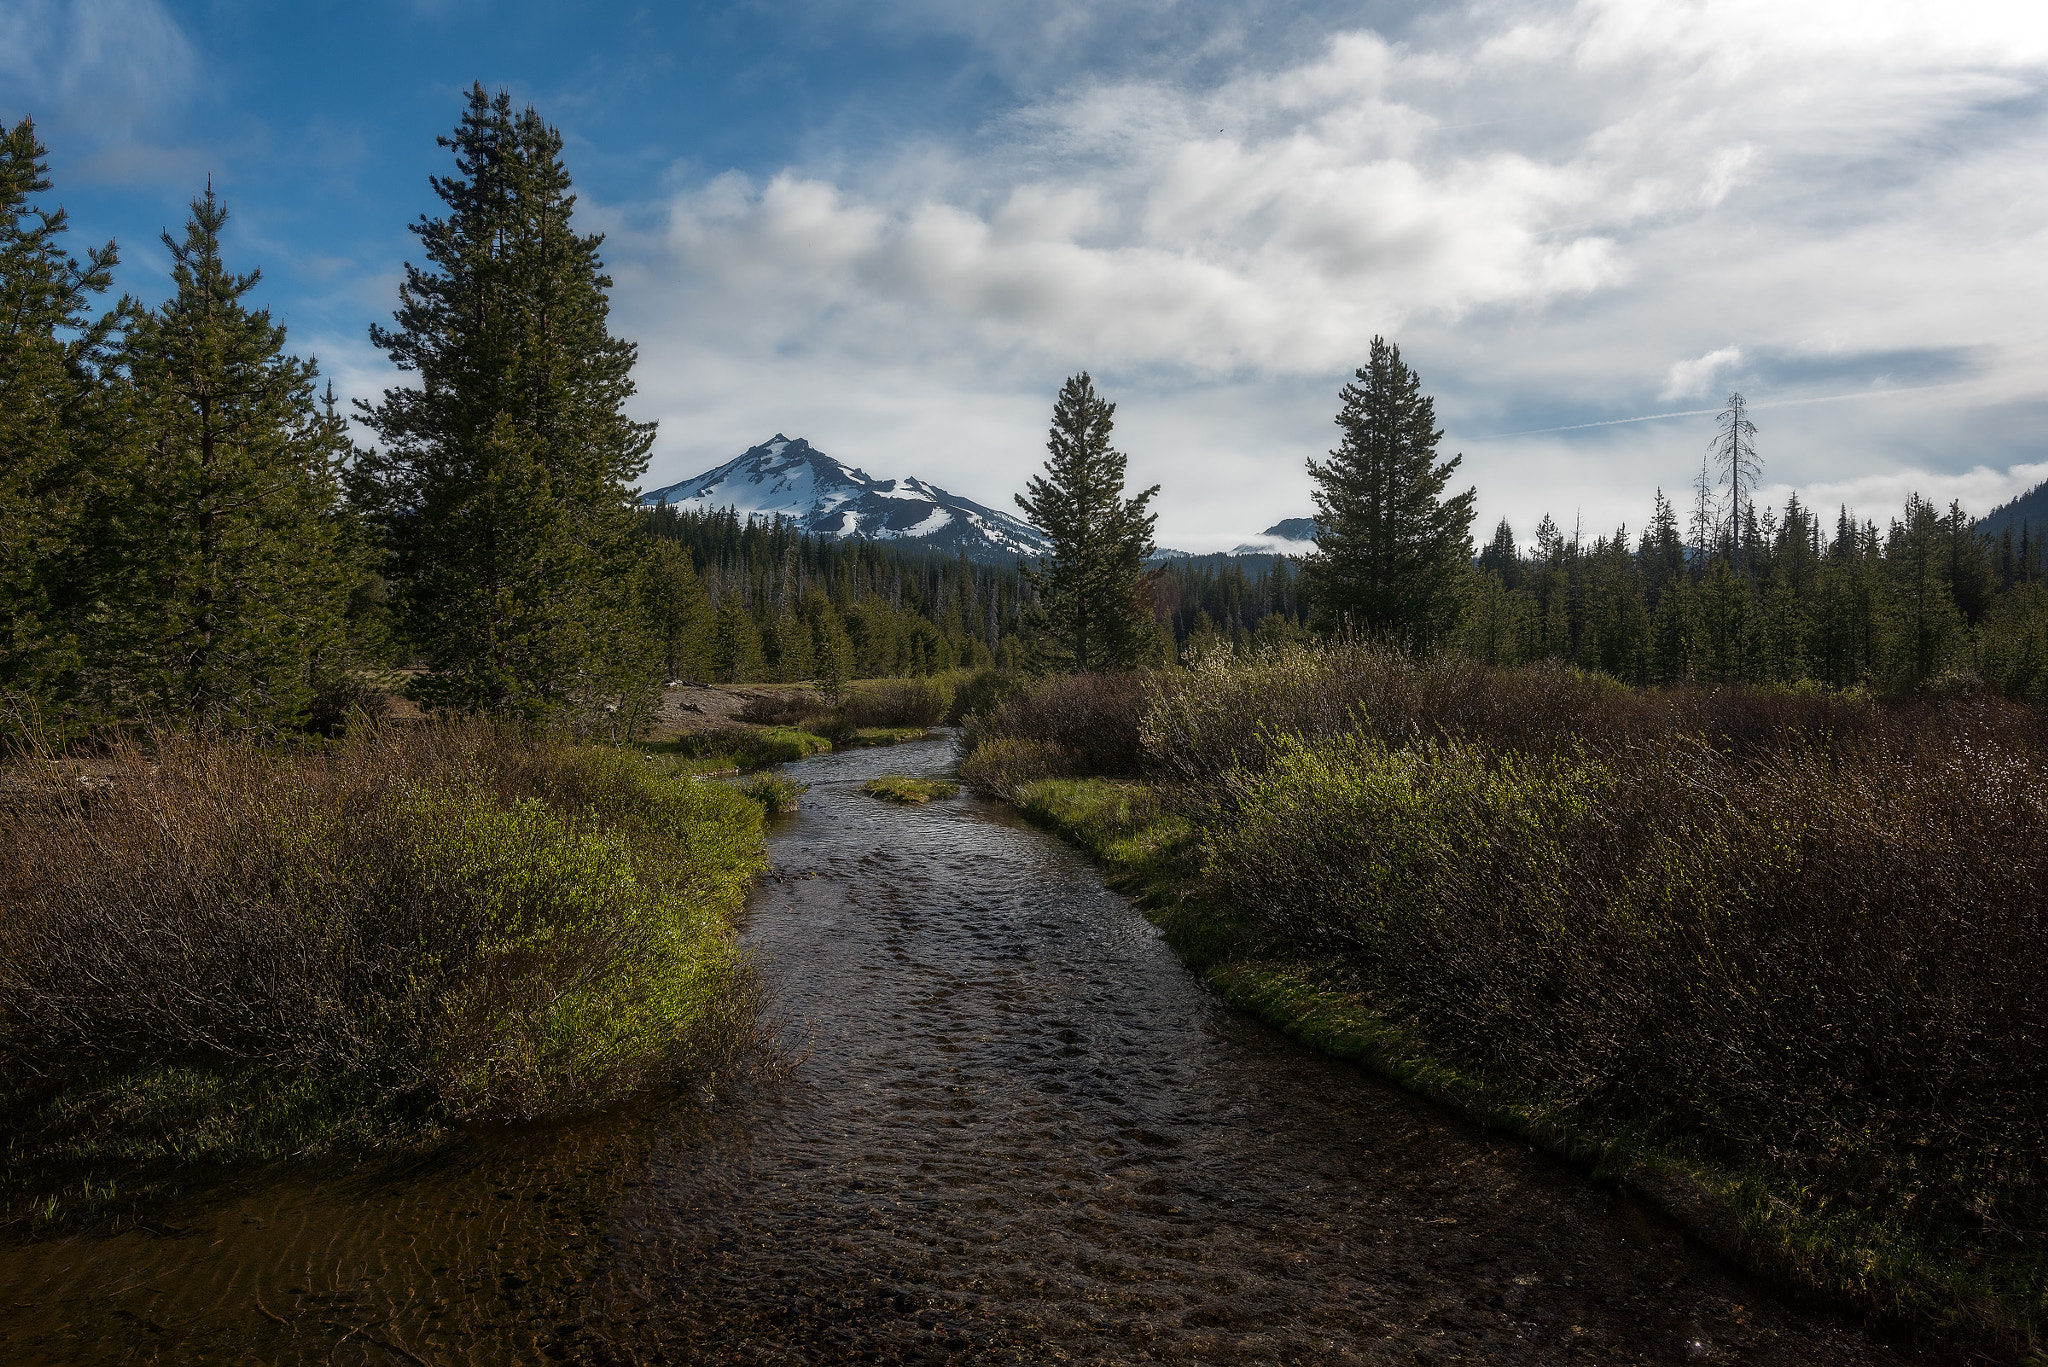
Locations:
1704 412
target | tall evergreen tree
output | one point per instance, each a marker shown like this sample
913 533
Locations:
53 431
677 607
225 594
1089 607
503 483
1391 550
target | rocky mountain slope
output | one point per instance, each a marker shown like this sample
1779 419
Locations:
789 477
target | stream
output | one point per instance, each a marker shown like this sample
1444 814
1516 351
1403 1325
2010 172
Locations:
1017 1130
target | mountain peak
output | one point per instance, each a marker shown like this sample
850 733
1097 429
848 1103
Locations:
788 477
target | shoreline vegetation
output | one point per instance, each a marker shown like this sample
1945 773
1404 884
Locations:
220 952
224 950
1772 959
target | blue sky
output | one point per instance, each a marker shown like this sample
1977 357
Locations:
893 227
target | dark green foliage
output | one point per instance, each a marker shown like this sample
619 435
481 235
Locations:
735 643
503 482
54 430
872 610
227 559
1391 550
1928 605
1091 611
678 611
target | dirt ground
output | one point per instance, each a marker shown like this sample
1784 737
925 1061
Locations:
692 709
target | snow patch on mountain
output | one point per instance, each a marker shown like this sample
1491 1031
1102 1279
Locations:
1290 536
789 478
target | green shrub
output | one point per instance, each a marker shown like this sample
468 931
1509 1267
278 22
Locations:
774 792
407 929
780 745
1832 966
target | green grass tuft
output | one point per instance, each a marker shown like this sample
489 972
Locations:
910 791
774 792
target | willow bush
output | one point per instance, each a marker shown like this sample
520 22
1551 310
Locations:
410 928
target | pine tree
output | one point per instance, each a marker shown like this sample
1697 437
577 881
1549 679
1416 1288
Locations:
225 594
832 648
503 483
736 655
1391 550
54 428
1089 609
678 611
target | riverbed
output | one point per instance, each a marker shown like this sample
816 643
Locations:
1009 1127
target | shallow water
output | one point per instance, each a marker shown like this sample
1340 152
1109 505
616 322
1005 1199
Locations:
1022 1133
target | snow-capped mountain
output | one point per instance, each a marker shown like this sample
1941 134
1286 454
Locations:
795 480
1290 536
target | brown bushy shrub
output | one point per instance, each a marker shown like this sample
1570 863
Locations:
1225 712
1091 719
1833 963
982 692
895 702
452 920
1000 765
793 708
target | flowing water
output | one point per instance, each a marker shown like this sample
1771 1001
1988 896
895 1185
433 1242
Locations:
1021 1132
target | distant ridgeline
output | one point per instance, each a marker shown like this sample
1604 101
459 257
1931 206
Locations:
2023 522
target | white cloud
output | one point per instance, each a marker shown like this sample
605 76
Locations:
1544 203
1687 379
108 61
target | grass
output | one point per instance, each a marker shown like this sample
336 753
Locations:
910 791
734 749
881 735
227 953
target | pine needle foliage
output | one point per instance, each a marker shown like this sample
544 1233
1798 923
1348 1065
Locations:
1391 550
53 351
503 483
223 593
1090 611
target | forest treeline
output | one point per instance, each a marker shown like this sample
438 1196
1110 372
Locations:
188 532
1925 602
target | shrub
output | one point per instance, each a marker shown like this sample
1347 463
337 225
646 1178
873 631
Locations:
895 702
980 693
1830 962
799 708
1093 720
412 927
1001 765
1225 712
775 793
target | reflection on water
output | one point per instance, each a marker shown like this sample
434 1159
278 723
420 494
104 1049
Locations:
1022 1133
